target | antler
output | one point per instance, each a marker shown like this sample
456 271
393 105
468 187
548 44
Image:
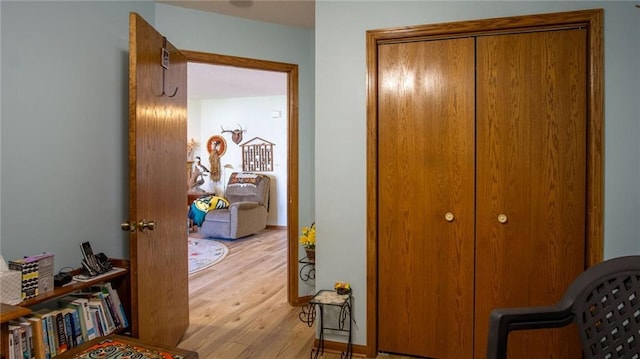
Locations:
223 130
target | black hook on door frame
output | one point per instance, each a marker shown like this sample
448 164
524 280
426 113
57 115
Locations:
164 62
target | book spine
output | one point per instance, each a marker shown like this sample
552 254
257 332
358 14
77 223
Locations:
14 332
99 326
28 330
96 324
104 310
45 338
11 353
118 304
21 338
61 334
89 328
51 332
75 323
69 330
106 297
24 353
100 320
113 312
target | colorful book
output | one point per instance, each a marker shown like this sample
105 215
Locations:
75 324
67 328
105 311
51 331
78 316
92 327
100 329
89 331
20 339
61 332
23 352
11 354
14 332
104 294
122 314
96 303
28 337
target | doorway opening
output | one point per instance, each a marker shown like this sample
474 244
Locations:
291 193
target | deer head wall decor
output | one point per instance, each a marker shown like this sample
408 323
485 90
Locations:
236 135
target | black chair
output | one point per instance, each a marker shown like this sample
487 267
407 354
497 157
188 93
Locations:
603 301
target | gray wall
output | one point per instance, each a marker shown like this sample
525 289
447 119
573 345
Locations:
64 127
64 141
341 122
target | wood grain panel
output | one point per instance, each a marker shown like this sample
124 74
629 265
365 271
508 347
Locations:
426 169
157 145
531 156
591 21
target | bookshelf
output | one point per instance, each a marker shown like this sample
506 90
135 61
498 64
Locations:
119 280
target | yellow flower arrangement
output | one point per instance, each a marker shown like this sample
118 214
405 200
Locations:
342 287
308 237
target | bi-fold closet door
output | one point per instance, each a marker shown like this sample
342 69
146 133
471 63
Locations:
481 188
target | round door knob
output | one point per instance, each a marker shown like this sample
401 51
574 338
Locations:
127 226
502 218
449 216
144 224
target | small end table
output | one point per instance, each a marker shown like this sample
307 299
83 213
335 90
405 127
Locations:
329 298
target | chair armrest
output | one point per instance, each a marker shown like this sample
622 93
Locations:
244 205
504 320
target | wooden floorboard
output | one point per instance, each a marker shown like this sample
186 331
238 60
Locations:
239 309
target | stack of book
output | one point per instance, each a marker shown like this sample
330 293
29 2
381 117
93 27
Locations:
78 317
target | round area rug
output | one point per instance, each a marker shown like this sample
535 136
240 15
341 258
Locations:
203 253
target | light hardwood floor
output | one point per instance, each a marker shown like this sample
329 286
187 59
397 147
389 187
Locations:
238 307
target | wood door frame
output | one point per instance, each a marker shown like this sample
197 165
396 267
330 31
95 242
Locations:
592 20
292 158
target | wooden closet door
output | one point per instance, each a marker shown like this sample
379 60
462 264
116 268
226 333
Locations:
426 170
531 168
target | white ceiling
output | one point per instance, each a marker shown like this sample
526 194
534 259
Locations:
298 13
211 81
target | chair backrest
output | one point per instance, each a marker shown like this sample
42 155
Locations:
606 305
248 187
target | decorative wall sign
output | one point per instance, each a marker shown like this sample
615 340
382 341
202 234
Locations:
257 155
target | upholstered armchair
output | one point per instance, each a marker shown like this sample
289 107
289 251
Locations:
248 196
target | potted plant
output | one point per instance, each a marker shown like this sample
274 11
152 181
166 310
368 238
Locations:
342 288
308 241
